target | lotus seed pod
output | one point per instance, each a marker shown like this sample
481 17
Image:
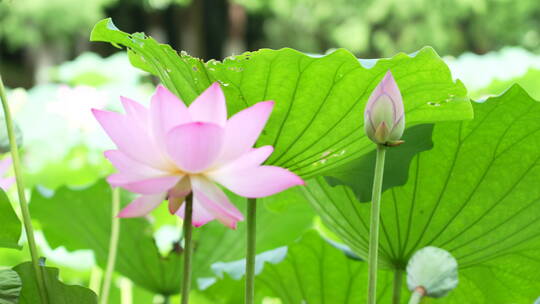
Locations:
434 270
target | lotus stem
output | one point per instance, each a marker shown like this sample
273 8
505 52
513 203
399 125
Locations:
250 253
374 226
27 219
188 249
398 281
417 295
113 247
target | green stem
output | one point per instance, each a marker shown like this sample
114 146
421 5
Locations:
250 253
27 219
416 297
126 291
374 226
113 247
398 281
188 249
96 276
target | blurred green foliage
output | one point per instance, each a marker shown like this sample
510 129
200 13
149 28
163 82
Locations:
385 27
368 28
33 23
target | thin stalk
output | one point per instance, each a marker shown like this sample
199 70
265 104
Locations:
188 249
126 291
250 252
113 247
374 226
96 275
398 281
417 296
27 219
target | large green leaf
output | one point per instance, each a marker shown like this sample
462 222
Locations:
474 194
58 292
11 225
81 219
317 122
10 286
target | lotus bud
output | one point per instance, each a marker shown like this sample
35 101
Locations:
384 116
432 272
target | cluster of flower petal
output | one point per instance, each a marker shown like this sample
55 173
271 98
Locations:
384 116
170 150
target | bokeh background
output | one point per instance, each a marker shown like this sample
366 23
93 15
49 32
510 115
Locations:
36 34
55 75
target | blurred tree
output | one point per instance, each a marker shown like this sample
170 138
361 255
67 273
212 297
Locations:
50 31
46 28
375 28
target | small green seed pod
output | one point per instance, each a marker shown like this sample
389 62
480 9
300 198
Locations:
434 270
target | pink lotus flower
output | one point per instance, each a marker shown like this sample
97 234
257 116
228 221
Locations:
170 150
384 117
5 165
